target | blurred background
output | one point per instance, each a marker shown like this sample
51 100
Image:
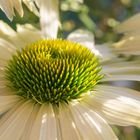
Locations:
97 16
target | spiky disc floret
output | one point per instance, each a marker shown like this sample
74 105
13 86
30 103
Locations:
53 71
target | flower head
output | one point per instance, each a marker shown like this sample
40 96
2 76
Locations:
53 71
57 89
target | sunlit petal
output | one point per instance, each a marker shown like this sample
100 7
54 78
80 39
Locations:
90 124
49 26
118 105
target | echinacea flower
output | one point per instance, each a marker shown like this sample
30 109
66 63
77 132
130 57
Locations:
130 43
57 89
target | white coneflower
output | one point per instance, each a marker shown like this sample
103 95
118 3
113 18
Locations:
56 89
130 43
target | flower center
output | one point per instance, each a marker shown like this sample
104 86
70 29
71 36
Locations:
53 71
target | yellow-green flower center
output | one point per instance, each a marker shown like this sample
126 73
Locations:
53 71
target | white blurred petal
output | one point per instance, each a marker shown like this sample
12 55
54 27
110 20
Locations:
132 24
120 106
6 91
30 4
30 123
128 46
105 51
6 30
27 34
85 38
6 49
44 124
67 126
2 76
49 18
7 102
7 7
91 126
12 125
18 6
121 71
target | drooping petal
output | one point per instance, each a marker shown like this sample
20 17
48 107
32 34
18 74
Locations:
45 124
30 123
7 102
3 63
49 18
121 71
6 30
105 51
90 124
25 34
120 106
66 124
4 90
85 38
12 123
2 73
18 6
128 45
132 24
6 49
32 7
7 7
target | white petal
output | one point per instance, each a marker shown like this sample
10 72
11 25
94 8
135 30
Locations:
49 18
67 126
121 71
7 102
128 46
85 38
44 124
6 91
2 72
105 51
30 123
7 33
18 7
6 30
129 25
7 7
13 125
120 106
3 63
27 34
90 124
6 49
30 4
